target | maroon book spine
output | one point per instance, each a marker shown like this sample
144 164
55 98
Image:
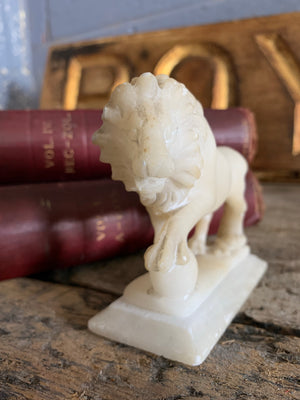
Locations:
57 225
45 146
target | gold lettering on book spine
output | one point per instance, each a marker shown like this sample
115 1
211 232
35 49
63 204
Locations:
48 148
68 136
224 91
47 128
119 236
285 64
100 229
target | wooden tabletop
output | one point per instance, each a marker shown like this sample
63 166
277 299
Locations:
46 351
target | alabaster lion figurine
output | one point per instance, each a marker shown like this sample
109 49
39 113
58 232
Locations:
158 142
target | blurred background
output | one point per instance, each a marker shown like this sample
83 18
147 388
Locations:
29 27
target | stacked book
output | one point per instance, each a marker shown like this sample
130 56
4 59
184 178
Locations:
58 205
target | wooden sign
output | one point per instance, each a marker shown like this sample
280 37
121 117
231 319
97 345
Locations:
253 63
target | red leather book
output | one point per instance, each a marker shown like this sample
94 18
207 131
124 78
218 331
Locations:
44 146
56 225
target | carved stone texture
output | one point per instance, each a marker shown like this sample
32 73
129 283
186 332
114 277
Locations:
179 173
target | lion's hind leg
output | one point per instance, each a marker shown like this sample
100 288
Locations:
197 243
231 235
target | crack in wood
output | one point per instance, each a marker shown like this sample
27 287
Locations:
244 319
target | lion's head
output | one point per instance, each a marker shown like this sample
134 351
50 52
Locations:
153 134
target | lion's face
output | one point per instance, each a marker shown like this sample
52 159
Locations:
151 135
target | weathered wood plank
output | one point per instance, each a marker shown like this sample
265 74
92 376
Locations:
275 302
107 276
46 352
277 239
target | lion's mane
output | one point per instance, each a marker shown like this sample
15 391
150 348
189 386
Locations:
153 135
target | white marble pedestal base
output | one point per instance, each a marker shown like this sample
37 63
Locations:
187 339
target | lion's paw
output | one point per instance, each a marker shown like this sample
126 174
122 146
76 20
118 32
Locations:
159 258
151 258
163 257
182 256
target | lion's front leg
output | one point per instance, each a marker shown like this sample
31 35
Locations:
162 255
173 268
170 243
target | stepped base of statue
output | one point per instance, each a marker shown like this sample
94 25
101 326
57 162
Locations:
182 329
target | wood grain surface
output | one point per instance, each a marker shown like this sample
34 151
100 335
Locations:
46 352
